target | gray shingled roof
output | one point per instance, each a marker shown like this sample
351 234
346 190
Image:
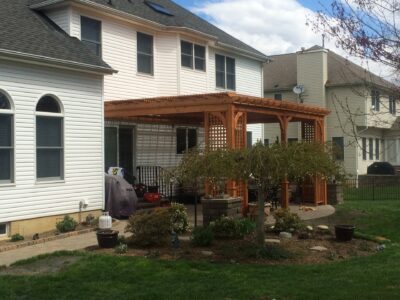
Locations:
281 73
26 32
181 18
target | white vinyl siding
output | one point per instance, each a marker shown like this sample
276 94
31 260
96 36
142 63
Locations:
81 95
61 17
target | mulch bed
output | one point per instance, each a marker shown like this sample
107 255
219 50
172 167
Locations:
288 251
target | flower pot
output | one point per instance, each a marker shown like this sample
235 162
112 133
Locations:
344 233
107 238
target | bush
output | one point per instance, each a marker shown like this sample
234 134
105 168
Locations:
121 249
202 236
229 228
150 228
287 221
179 218
17 237
273 252
67 224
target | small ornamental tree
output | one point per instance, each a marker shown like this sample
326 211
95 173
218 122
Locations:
269 166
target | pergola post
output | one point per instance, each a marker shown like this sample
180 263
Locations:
320 186
284 124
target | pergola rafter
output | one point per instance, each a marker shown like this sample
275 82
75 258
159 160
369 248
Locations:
224 117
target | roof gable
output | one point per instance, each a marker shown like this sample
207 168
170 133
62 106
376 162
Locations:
25 32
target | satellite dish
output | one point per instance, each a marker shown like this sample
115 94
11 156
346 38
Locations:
298 89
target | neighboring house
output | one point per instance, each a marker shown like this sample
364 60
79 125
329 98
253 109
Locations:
363 123
53 55
51 119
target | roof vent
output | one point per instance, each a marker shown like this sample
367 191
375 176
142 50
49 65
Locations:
159 8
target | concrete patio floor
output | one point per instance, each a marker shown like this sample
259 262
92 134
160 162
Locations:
319 212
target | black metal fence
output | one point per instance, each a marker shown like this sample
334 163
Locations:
372 188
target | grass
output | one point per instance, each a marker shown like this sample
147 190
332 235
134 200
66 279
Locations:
102 276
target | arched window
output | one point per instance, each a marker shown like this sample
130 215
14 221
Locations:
49 139
6 139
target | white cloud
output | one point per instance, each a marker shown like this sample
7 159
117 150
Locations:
272 26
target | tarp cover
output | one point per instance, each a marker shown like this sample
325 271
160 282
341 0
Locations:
121 199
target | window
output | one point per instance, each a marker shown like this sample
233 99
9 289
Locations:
338 148
377 150
6 140
159 8
278 96
145 53
49 139
186 138
375 98
225 72
91 34
249 139
371 148
193 55
292 140
392 105
3 229
266 142
364 148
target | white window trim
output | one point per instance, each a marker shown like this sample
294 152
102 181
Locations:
225 88
193 56
153 55
186 138
51 180
7 230
11 111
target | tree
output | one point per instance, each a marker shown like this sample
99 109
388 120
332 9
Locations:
269 166
364 28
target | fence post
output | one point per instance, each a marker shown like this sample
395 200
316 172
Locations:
373 188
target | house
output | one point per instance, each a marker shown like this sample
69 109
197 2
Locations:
53 58
363 124
51 122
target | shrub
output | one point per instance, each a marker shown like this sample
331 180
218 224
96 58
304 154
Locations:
287 221
67 224
273 252
202 236
150 228
121 249
17 237
179 218
229 228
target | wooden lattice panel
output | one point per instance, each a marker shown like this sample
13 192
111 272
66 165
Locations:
216 132
308 131
240 132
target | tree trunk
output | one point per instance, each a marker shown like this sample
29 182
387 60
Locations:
260 230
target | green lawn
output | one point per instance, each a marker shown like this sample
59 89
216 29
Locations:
102 277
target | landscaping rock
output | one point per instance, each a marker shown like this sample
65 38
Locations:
272 241
381 247
323 227
319 248
309 228
207 253
285 235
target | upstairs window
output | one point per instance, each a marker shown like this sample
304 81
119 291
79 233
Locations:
278 96
49 140
225 72
186 139
375 100
91 34
338 148
145 60
193 56
6 140
392 105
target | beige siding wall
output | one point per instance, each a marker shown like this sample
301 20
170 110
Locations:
81 97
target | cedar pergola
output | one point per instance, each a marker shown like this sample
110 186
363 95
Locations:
224 117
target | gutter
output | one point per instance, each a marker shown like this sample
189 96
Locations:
44 60
150 23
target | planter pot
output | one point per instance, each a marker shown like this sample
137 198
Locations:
107 238
344 233
214 209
